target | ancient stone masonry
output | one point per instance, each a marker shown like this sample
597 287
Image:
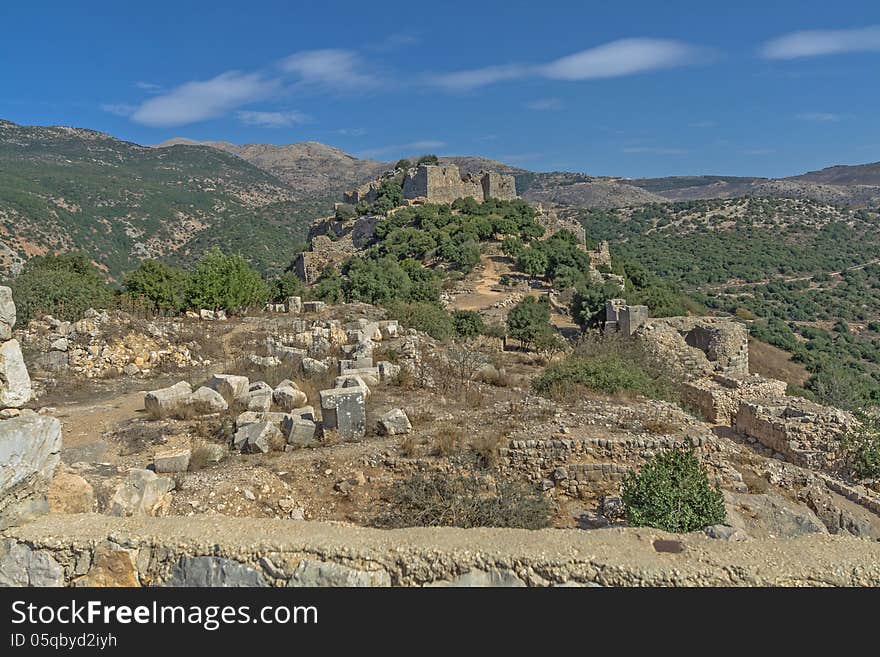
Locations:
805 433
624 319
718 396
30 444
445 184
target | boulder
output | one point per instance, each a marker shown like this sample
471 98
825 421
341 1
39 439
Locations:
110 567
172 460
312 366
70 493
20 566
232 387
205 401
258 437
394 423
168 401
15 383
344 410
7 313
314 573
143 493
259 401
300 432
30 449
288 396
213 571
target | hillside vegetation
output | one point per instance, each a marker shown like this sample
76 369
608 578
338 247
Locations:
65 189
805 275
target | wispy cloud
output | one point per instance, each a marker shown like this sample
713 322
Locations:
329 68
271 119
615 59
818 116
119 109
148 86
545 104
651 150
394 42
409 148
198 101
478 77
813 43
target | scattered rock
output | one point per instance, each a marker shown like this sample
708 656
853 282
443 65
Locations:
394 423
70 493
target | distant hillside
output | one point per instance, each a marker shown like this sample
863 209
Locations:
311 169
859 174
66 188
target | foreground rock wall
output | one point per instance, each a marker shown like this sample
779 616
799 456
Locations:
220 551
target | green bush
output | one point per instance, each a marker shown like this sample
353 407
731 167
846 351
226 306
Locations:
672 492
63 285
529 319
468 323
427 317
439 500
286 285
160 287
863 447
225 282
608 365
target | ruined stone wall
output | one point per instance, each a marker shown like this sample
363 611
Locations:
78 550
805 433
553 223
718 397
699 346
445 184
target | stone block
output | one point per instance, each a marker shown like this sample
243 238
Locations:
15 383
167 401
232 387
344 410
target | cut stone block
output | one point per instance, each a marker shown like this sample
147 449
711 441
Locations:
232 387
344 410
167 401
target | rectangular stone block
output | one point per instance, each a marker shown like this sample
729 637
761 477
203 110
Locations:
344 410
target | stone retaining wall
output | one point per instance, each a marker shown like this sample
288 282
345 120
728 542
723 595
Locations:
82 550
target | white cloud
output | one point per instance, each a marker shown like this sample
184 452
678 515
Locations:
544 104
813 43
198 101
610 60
119 109
478 77
622 57
410 148
271 119
333 68
818 116
148 86
654 151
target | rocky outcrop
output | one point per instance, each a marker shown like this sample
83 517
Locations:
30 449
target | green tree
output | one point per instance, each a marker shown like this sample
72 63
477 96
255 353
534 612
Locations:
225 282
161 287
528 319
286 285
428 159
63 285
468 323
672 492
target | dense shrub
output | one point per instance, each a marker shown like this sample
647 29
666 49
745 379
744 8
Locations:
227 282
672 492
427 317
863 447
158 286
468 323
440 500
286 285
63 286
608 365
528 320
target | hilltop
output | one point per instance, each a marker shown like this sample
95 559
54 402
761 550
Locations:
66 188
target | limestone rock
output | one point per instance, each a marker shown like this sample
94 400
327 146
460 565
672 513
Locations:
258 437
300 432
7 313
174 460
142 493
232 387
288 396
387 370
313 573
213 571
484 578
30 449
394 423
15 383
205 401
344 410
70 493
167 401
110 568
22 566
311 366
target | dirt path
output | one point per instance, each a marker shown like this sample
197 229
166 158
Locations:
86 422
486 277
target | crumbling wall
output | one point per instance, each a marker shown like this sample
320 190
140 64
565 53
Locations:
445 184
699 346
805 433
718 397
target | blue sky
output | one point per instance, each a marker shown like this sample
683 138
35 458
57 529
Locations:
630 88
